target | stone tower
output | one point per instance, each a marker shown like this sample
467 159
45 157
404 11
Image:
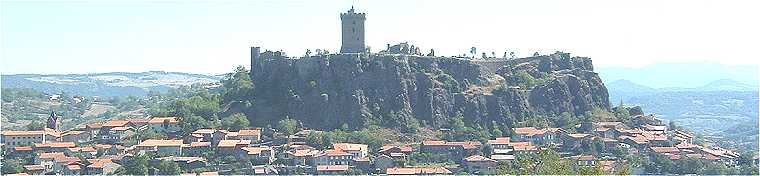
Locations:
352 29
255 61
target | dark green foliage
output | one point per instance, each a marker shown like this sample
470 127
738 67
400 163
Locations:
236 121
138 165
12 166
35 125
238 86
165 167
287 126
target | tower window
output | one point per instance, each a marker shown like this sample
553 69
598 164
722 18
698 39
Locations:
353 29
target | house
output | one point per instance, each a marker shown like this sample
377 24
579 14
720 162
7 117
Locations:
665 150
25 152
520 147
333 157
48 160
35 169
28 138
220 135
202 135
187 163
164 124
383 162
499 143
232 147
302 156
332 169
73 169
503 157
75 136
658 128
477 164
357 150
101 166
395 151
418 171
683 136
264 154
454 149
86 152
253 135
93 129
161 147
362 163
196 148
53 146
117 134
576 140
550 136
584 160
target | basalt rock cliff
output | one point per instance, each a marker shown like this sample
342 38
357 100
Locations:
327 91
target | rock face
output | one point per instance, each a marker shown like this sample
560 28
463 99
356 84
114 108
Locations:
328 91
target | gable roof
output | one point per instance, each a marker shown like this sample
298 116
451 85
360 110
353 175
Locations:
350 147
160 143
478 158
416 170
232 143
249 132
55 145
160 120
332 167
115 123
499 140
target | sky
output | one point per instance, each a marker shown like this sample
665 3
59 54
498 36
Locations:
213 37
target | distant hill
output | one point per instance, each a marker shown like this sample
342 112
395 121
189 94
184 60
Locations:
682 75
106 84
717 108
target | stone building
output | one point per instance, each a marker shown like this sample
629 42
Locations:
352 29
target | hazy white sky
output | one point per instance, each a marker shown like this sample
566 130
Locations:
213 37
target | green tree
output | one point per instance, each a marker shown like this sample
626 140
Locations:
138 165
35 125
235 121
194 122
238 86
168 168
12 166
287 126
590 170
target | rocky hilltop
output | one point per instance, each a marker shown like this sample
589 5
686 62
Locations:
327 91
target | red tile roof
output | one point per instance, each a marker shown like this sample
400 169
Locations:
160 120
499 140
665 149
417 171
478 158
115 123
160 143
350 147
332 168
55 145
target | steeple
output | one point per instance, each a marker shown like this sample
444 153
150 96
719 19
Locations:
53 122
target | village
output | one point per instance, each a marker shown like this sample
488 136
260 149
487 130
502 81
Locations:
102 148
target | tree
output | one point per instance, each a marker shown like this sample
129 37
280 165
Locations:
194 122
35 126
473 51
12 166
238 86
590 170
166 167
287 126
236 121
136 166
